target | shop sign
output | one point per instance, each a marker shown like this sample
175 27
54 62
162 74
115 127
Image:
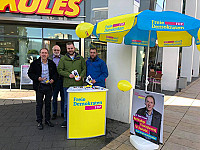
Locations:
69 8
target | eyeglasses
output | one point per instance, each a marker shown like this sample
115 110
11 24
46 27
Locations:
56 50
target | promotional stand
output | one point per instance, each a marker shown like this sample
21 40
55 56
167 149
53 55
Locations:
147 119
86 116
25 80
7 76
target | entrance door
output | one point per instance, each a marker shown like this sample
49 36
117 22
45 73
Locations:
49 43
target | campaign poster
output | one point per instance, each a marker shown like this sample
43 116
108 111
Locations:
24 75
86 117
6 74
147 115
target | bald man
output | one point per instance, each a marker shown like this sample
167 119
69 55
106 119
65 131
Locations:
59 84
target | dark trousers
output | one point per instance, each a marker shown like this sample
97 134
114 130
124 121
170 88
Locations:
43 90
58 88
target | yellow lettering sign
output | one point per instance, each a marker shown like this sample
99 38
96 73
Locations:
23 8
8 3
69 8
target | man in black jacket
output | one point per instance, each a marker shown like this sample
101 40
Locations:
43 72
153 118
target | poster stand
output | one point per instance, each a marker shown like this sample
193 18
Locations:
24 79
142 144
147 133
7 76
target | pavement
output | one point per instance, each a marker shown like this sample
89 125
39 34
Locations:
18 127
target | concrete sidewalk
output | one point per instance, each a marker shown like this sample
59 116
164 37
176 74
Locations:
18 126
181 122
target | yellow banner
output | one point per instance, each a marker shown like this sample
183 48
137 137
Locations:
87 114
116 24
113 37
174 39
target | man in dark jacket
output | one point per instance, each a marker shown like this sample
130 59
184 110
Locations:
153 118
43 72
96 68
59 84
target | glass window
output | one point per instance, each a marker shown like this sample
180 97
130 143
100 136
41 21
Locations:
50 33
33 49
8 30
34 32
100 46
158 8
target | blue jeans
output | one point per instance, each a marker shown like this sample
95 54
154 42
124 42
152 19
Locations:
65 103
58 88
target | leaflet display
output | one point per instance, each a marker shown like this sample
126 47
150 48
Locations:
86 116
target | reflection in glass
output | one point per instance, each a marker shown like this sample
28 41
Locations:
34 47
100 46
34 32
60 34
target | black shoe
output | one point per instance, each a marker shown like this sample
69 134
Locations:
64 124
54 117
40 126
49 123
62 115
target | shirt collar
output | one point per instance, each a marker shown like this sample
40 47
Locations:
55 56
42 62
148 114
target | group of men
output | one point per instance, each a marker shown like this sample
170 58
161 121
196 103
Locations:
53 74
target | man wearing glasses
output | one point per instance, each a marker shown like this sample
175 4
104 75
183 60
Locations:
59 84
68 63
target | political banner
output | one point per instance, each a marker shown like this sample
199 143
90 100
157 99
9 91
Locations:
86 116
147 115
24 76
6 74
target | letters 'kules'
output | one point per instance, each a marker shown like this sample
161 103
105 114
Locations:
69 8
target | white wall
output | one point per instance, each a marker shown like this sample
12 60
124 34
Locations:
171 55
196 56
188 52
121 60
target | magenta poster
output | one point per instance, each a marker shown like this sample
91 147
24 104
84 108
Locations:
147 115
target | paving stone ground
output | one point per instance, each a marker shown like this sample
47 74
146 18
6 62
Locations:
181 122
18 129
18 126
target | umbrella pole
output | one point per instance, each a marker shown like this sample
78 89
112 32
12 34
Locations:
147 70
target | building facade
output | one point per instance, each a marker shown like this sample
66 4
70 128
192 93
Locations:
26 26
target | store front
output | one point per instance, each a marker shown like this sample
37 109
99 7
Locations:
24 32
20 45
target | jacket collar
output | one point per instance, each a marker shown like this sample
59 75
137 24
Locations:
96 59
77 56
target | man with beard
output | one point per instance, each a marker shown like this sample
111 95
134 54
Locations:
96 68
59 84
43 72
68 63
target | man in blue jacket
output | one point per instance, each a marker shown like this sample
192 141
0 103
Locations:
96 68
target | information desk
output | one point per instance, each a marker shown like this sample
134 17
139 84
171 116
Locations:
86 115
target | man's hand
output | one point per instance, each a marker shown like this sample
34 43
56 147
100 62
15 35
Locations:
78 78
71 76
41 79
51 81
93 81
